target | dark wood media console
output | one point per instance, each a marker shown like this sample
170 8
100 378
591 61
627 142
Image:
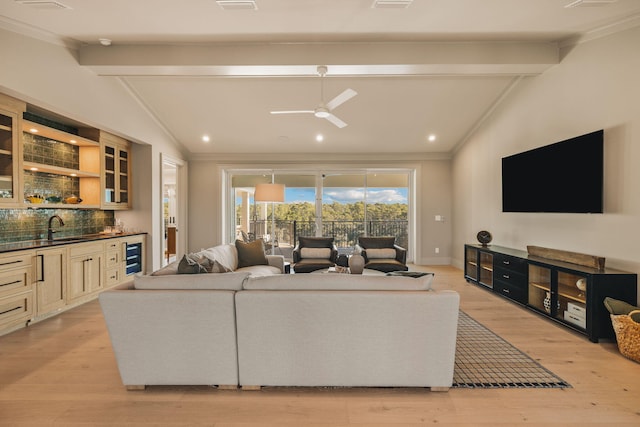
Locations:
567 293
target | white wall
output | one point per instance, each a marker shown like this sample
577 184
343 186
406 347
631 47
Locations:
47 75
594 87
433 189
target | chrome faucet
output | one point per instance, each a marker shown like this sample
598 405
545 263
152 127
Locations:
50 230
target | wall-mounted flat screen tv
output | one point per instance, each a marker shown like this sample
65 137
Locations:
567 177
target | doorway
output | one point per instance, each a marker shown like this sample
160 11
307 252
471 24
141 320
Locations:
172 210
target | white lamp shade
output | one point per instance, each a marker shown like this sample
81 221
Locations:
273 193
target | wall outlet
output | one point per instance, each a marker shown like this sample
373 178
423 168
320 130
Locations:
437 250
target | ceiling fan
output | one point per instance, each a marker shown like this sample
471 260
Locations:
324 110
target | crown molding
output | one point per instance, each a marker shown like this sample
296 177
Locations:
38 33
626 23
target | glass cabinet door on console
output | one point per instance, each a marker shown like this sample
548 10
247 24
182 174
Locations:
572 298
486 269
478 265
471 263
540 296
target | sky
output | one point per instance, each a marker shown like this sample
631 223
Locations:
347 195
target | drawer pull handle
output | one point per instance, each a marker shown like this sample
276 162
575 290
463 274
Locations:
506 262
506 291
11 283
12 262
506 276
9 311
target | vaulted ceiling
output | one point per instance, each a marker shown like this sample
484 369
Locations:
435 67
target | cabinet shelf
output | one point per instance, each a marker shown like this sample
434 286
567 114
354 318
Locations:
57 170
6 152
7 128
58 135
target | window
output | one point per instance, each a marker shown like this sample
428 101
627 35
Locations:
340 204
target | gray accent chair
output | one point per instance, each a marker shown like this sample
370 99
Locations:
382 254
306 257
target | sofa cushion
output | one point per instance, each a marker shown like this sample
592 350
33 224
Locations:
260 270
346 282
383 253
315 253
251 253
194 264
315 242
227 281
377 242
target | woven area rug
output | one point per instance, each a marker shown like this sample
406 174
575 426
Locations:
484 360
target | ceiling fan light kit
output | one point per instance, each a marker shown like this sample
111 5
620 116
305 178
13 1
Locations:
324 110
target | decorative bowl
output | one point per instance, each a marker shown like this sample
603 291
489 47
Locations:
36 198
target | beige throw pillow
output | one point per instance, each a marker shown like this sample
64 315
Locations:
316 253
387 253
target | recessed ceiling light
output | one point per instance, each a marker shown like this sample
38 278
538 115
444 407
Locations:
105 42
319 137
73 141
590 3
33 169
391 4
73 174
43 4
205 138
33 130
431 138
237 4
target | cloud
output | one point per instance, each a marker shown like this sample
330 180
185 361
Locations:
352 195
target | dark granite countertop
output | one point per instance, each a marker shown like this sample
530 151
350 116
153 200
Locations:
66 240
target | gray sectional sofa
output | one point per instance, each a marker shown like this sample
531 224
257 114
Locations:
235 328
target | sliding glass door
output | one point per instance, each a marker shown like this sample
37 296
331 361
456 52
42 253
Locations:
341 204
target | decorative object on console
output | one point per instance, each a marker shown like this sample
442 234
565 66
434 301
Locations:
484 237
592 261
356 264
581 284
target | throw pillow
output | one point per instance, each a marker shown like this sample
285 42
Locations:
315 253
617 307
315 242
387 253
191 264
219 268
251 253
376 242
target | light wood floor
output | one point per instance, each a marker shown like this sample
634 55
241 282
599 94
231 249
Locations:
62 372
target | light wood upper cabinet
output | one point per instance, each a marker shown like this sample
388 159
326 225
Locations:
115 166
10 114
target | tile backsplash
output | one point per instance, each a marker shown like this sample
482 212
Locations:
29 224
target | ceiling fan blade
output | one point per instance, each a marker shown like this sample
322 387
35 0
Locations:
336 121
294 112
342 98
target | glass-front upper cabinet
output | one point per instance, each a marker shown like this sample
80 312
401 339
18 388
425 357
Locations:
117 170
10 112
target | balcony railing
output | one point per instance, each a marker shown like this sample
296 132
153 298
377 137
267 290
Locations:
345 233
